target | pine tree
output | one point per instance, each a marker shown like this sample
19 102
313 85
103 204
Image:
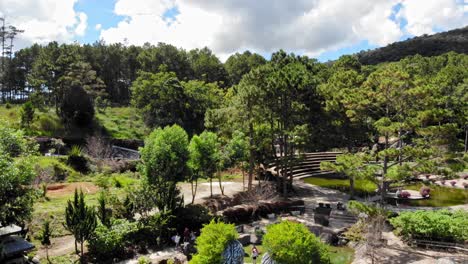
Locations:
103 211
27 114
45 237
80 219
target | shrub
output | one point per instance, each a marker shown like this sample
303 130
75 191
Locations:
442 225
453 183
404 195
107 243
465 177
289 242
425 191
76 159
213 239
465 185
443 182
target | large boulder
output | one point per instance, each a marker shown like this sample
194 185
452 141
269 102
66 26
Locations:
244 239
266 259
234 253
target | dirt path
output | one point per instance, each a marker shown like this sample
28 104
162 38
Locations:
60 246
203 190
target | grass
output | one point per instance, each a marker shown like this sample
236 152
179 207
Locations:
122 122
45 123
361 187
53 209
338 255
440 196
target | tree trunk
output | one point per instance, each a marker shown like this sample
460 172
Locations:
285 167
194 190
211 186
47 254
466 138
82 252
243 178
251 156
76 247
384 172
400 146
351 187
220 183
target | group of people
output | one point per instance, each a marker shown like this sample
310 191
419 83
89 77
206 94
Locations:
189 237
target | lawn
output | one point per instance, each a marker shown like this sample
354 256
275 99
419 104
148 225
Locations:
338 255
361 187
440 196
122 122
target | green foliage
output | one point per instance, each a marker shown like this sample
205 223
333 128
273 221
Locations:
193 216
103 212
122 122
289 242
370 210
17 173
212 242
239 64
80 219
77 107
204 154
27 114
165 157
442 225
109 242
46 234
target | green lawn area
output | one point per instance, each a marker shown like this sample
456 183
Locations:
338 255
361 187
122 122
440 196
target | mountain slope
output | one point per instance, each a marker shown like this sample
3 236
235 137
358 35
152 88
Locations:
425 45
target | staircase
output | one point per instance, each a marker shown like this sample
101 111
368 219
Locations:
307 164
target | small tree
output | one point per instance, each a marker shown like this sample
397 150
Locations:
45 237
103 212
27 114
289 242
80 219
211 243
165 157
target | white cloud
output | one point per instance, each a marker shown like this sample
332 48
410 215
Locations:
423 16
44 20
98 27
228 26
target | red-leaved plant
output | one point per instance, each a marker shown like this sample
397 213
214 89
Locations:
404 194
453 183
425 191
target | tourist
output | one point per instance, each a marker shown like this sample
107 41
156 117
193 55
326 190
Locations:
254 254
176 240
192 237
186 235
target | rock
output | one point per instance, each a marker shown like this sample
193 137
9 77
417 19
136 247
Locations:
234 253
266 259
244 239
444 261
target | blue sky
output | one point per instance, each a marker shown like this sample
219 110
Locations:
324 29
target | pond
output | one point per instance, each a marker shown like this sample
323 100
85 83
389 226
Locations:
440 196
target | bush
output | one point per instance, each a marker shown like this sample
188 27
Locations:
425 191
108 243
453 183
289 242
441 225
212 241
76 159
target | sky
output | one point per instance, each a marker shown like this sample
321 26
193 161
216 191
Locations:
323 29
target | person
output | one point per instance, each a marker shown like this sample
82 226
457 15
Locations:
176 240
192 237
186 235
254 254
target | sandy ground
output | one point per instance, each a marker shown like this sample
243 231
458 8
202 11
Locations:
396 252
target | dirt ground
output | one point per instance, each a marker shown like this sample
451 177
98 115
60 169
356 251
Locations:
66 189
397 252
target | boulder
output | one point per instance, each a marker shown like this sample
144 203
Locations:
244 239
